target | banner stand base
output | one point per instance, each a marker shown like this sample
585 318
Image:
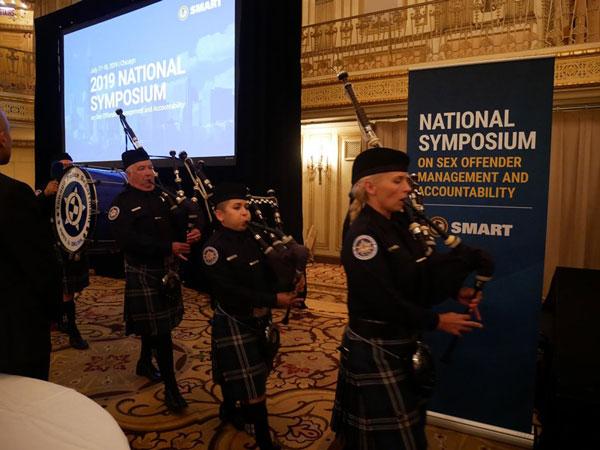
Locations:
491 432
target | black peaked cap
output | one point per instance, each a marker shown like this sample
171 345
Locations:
62 156
132 156
228 191
378 160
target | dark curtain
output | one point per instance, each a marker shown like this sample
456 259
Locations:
268 96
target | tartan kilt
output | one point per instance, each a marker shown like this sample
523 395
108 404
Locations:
377 402
238 364
76 274
147 310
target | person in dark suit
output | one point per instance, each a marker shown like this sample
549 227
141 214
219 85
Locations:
30 290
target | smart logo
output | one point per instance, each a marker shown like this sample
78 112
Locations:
183 13
482 229
441 223
472 228
197 8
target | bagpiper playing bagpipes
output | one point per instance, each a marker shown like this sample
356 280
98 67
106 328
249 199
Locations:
146 220
246 281
252 266
394 276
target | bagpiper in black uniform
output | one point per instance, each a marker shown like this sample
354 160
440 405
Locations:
243 291
379 403
147 232
75 266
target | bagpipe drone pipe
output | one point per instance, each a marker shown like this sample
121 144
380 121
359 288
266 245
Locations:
422 228
189 212
285 256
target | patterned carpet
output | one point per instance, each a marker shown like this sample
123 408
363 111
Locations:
301 388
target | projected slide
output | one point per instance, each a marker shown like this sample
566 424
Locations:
169 66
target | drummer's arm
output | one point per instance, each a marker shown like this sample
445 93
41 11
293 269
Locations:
51 188
45 204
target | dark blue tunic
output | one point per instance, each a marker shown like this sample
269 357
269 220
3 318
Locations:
391 286
242 287
144 228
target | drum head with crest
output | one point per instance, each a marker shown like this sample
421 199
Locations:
83 198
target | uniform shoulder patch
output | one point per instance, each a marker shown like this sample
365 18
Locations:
364 247
210 255
113 213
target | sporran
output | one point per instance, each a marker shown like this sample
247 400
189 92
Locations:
423 368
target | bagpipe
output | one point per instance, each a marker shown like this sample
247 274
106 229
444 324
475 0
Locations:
422 228
284 255
286 258
81 217
189 212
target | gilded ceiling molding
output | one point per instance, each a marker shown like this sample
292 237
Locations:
378 90
23 143
19 21
28 29
577 71
18 109
571 69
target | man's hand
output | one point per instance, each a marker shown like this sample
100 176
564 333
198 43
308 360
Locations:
180 249
193 236
51 188
457 324
285 299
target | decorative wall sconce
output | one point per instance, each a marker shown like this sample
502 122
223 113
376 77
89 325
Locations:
321 167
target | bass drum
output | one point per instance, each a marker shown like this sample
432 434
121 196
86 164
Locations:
80 211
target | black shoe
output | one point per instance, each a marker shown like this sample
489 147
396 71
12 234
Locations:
77 342
61 325
147 369
175 401
234 417
182 401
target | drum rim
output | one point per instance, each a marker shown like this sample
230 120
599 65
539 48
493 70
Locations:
90 189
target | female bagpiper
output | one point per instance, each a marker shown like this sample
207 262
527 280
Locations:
379 403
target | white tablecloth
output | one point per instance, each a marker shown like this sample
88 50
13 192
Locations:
36 415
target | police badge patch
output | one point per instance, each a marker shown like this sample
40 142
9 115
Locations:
364 247
210 255
113 213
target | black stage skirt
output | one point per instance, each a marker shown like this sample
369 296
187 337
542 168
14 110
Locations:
148 311
378 404
238 363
